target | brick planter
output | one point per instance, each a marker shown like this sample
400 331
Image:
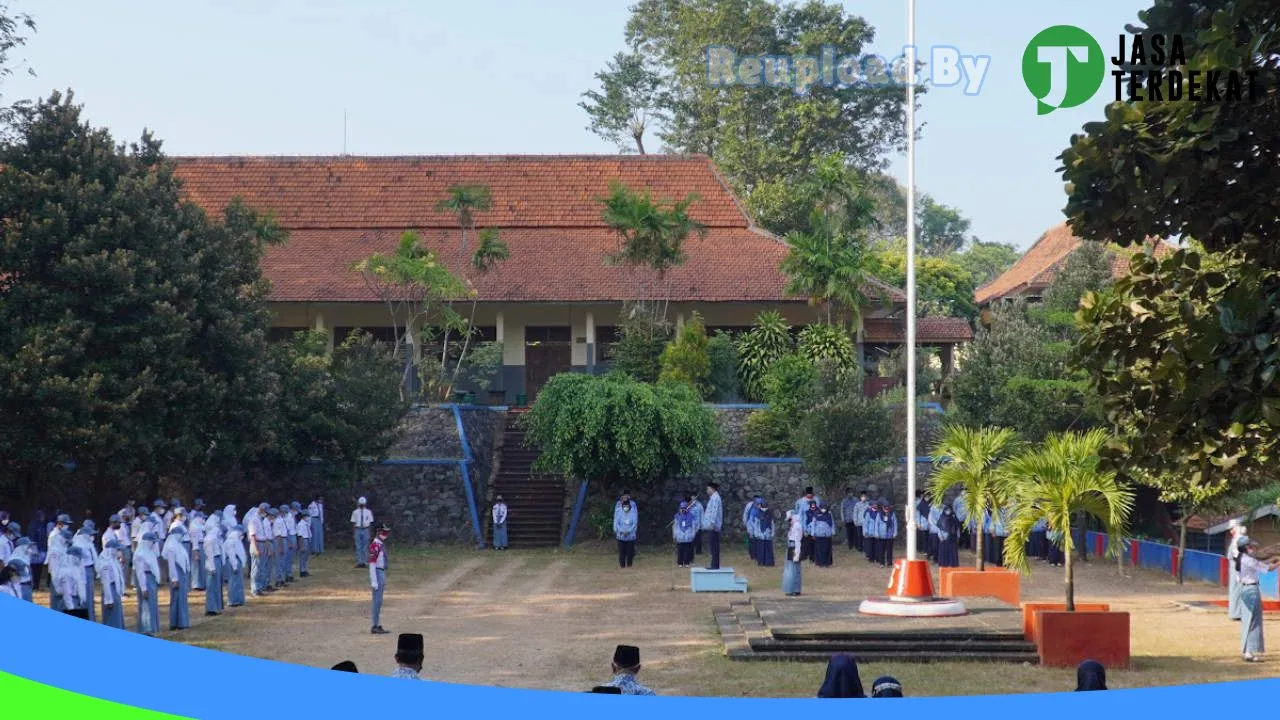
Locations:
1031 609
1000 584
1065 639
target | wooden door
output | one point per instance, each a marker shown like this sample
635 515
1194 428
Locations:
543 361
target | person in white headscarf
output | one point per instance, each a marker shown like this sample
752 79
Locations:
84 540
213 564
233 562
177 555
195 531
111 574
68 583
59 544
146 570
24 552
1236 532
228 521
791 580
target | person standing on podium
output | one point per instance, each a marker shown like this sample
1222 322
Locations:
712 520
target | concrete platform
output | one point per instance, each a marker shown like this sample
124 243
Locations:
805 629
720 580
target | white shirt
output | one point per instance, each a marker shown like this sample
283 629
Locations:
254 527
499 513
362 517
304 530
1250 568
376 563
135 529
290 525
278 527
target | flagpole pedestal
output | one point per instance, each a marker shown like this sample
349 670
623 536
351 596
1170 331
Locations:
911 594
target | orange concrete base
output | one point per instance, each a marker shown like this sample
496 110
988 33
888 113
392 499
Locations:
1031 609
911 579
1067 639
1003 585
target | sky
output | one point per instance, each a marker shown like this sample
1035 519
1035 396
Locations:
275 77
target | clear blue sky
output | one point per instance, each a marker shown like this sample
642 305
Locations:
485 76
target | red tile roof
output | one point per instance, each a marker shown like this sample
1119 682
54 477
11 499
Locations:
339 210
928 330
1040 263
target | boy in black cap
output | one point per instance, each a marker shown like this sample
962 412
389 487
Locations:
626 664
408 657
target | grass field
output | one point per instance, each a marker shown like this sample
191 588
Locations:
549 619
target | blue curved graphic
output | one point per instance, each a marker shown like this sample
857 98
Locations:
65 653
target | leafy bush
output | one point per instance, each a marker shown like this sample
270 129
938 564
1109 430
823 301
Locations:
768 434
789 385
845 438
638 351
769 340
1037 407
687 359
723 378
619 431
820 343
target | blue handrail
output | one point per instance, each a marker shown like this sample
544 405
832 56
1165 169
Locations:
577 512
464 469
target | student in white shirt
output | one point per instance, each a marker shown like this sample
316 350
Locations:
316 512
304 543
1248 569
499 524
361 521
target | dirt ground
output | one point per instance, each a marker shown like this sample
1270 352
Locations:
549 619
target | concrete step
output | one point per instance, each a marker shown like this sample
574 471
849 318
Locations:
888 657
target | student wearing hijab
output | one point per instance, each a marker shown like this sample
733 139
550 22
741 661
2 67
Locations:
213 539
68 583
315 511
823 530
948 538
23 551
886 687
9 582
807 517
377 561
682 532
626 519
1090 675
921 509
146 573
1249 569
1236 532
791 580
177 555
748 512
842 679
499 524
695 507
38 534
111 574
84 541
195 532
233 563
764 535
888 524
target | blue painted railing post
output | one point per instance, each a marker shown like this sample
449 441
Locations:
577 513
463 468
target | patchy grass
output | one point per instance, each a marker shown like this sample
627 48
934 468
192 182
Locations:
549 619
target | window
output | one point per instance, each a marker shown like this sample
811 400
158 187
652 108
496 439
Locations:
606 336
283 334
547 334
485 333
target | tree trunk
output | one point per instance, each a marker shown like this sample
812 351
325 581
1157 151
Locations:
977 543
1182 542
1120 555
639 138
1071 581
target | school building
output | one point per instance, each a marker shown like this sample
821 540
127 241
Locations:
554 304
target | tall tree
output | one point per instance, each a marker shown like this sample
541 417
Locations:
942 230
762 138
1087 269
627 100
14 27
986 261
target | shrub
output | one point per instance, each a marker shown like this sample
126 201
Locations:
769 340
639 348
819 343
845 438
768 434
723 378
687 359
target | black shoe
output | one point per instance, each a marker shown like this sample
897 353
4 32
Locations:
378 631
304 574
211 613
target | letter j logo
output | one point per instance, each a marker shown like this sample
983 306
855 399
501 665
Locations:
1063 67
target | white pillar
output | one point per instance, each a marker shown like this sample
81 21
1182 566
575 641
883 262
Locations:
910 338
320 325
591 343
499 329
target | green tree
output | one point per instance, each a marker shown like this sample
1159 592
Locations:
641 342
1087 269
943 286
141 317
619 432
968 459
14 27
987 261
687 358
1010 346
767 341
629 96
762 138
940 229
1055 483
366 407
1193 347
463 202
824 343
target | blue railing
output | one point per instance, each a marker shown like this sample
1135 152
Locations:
464 468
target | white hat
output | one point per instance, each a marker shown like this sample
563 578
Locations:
361 501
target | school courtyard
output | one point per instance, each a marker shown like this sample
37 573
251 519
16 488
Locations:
549 619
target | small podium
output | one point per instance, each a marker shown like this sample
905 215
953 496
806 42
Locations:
722 580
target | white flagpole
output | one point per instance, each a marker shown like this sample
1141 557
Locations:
910 338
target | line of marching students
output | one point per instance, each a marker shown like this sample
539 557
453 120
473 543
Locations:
146 550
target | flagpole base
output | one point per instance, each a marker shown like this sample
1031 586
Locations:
911 594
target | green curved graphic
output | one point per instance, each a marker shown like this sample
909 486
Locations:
22 694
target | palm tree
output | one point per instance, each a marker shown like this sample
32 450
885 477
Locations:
968 457
1053 483
492 250
464 201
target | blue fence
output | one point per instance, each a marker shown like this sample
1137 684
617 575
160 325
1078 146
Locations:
1202 566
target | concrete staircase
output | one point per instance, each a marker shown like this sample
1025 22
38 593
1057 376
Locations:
535 501
747 636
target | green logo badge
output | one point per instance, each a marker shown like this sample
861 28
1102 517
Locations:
1063 67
